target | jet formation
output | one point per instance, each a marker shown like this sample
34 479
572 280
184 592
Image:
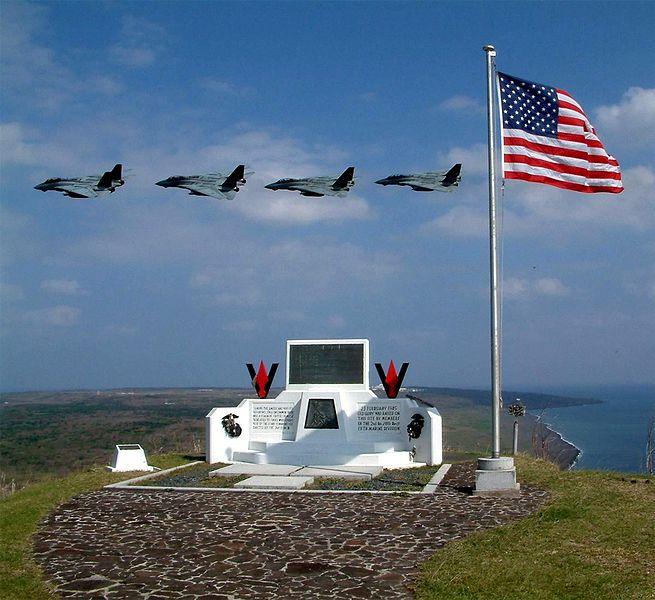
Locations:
225 187
216 185
88 186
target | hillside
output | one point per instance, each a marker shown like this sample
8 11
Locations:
44 433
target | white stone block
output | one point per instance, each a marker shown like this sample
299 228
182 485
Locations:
272 482
129 457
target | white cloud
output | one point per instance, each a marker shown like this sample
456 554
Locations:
514 287
35 74
472 158
631 122
549 286
289 208
461 103
57 316
20 145
133 56
141 42
67 287
337 321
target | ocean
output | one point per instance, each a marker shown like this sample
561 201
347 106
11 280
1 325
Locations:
611 435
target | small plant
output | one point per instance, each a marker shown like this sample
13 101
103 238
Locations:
516 410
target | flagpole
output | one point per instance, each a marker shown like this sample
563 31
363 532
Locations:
494 288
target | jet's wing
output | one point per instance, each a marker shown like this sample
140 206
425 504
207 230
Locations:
206 190
77 190
418 188
308 192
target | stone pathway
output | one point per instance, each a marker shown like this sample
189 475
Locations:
165 544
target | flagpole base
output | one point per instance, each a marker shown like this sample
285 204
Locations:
496 477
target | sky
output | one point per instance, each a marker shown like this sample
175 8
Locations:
152 287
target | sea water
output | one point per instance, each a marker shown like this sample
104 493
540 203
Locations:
611 435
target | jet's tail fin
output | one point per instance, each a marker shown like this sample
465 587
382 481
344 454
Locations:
234 177
106 180
344 179
453 176
117 172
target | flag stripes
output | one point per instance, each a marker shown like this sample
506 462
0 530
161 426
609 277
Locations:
547 138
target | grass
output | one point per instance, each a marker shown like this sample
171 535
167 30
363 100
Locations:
397 480
21 512
595 539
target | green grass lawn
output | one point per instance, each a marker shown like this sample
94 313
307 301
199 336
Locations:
21 513
595 539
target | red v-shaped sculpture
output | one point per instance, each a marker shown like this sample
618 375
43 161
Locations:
261 380
391 380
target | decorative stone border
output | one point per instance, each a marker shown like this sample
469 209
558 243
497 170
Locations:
430 488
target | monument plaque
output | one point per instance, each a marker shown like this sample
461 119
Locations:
378 417
273 420
321 414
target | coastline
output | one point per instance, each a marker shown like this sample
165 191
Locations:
549 443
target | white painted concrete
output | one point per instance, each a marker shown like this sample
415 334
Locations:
129 457
273 482
367 431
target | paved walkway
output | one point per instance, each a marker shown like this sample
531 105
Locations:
142 544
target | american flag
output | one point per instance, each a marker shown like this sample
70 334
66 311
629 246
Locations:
547 138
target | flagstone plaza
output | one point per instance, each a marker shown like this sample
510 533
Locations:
222 544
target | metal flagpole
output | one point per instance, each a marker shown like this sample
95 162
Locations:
494 288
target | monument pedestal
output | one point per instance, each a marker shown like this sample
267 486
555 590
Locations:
326 416
496 477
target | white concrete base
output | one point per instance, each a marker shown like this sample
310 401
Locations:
496 476
272 482
129 457
436 479
352 473
253 469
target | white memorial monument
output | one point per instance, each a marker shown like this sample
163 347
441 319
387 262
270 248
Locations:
327 415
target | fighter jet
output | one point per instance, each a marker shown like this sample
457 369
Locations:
85 187
216 185
317 186
441 181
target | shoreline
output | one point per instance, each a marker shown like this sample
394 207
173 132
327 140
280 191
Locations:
551 444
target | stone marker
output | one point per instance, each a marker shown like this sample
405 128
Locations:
273 482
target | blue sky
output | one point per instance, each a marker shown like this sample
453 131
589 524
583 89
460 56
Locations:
151 287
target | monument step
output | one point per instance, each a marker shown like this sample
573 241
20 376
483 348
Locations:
274 482
298 456
356 447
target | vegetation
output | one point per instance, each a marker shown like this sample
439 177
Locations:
396 480
21 512
55 433
594 539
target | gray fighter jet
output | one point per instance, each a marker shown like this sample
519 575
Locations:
441 181
317 186
85 187
216 185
